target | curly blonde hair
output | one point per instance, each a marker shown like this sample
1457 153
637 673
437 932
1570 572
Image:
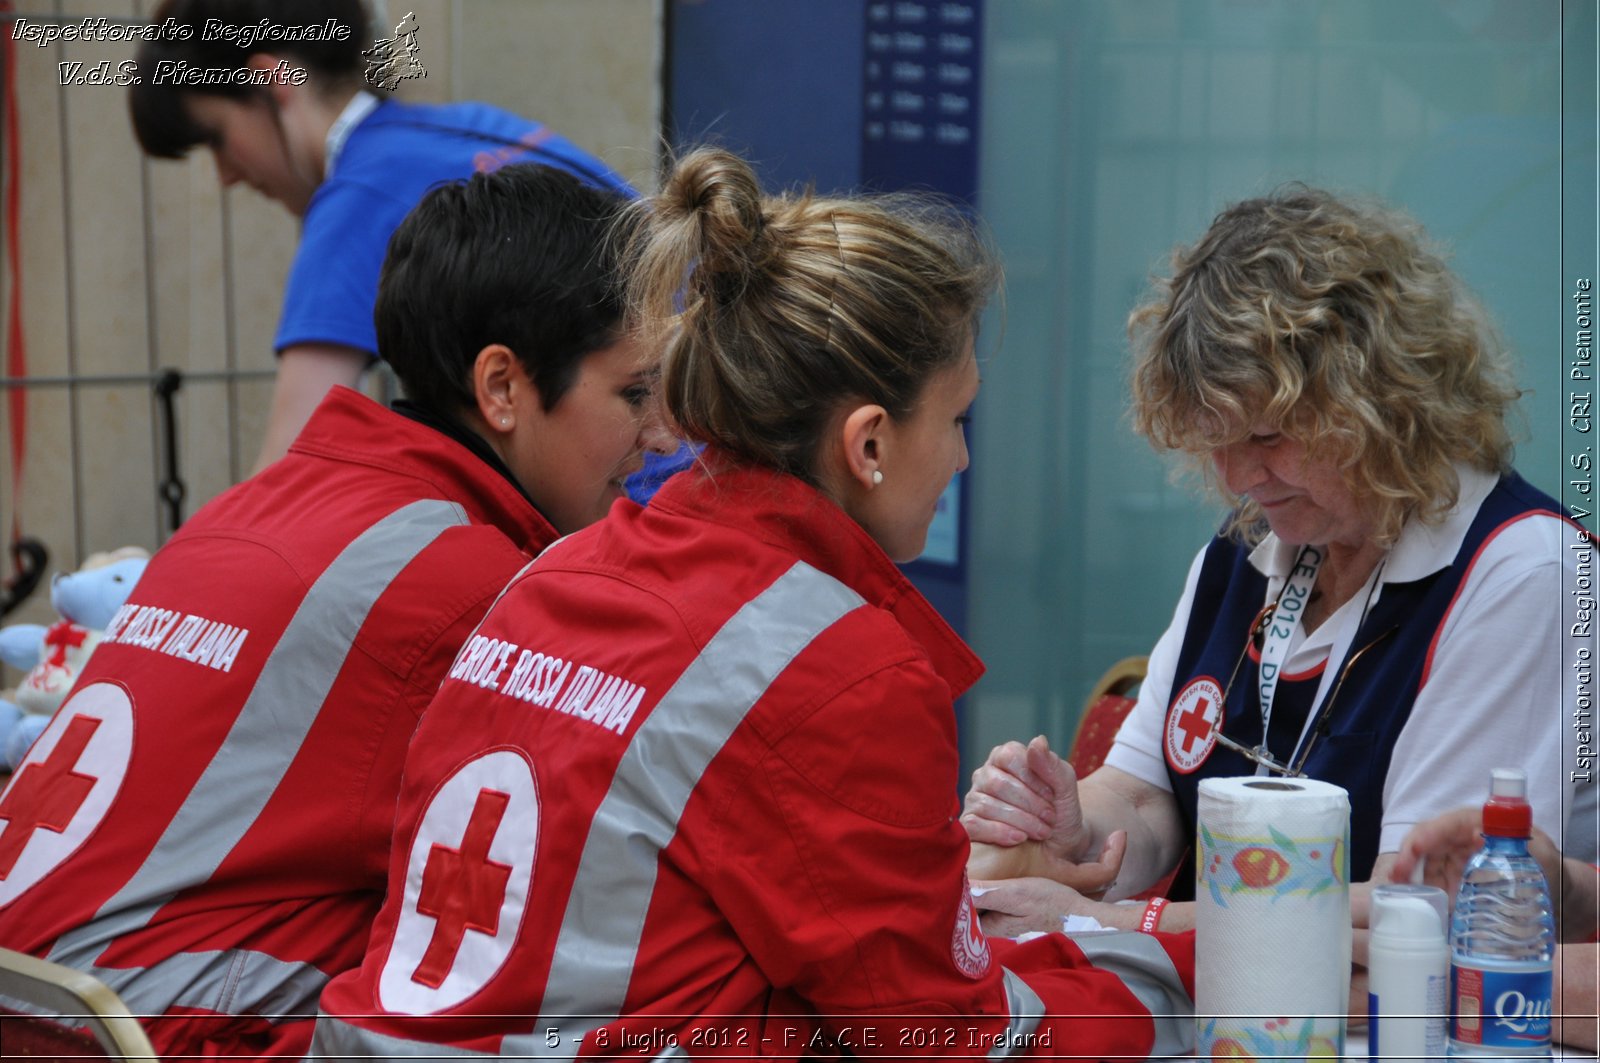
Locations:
1336 323
777 309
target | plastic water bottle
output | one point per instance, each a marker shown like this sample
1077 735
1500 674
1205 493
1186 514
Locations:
1502 937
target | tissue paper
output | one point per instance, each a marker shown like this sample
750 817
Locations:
1272 918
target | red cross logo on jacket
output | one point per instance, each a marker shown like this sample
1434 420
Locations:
46 794
468 871
462 889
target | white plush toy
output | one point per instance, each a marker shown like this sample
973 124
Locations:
54 656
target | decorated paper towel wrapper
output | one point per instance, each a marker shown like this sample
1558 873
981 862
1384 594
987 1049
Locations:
1272 918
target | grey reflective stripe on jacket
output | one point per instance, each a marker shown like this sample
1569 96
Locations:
1025 1008
229 795
1147 971
595 950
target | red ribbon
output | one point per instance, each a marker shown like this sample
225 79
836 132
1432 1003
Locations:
16 357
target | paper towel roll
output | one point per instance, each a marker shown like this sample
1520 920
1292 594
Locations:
1272 918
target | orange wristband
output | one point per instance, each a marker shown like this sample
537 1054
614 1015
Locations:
1152 915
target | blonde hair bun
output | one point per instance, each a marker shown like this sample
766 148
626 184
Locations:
775 310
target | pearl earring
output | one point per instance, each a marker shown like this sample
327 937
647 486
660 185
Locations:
877 477
505 422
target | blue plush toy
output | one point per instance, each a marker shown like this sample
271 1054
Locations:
54 656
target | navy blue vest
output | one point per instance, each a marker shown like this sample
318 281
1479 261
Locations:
1379 689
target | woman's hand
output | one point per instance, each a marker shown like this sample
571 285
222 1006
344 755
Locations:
1017 906
1025 821
1445 844
1024 793
1448 841
1035 860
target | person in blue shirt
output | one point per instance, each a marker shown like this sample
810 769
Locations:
276 91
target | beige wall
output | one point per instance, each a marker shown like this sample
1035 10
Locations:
590 68
129 265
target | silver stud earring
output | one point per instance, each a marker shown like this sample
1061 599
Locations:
877 477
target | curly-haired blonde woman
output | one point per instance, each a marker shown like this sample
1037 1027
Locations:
1382 610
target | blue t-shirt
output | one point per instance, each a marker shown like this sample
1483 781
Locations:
390 160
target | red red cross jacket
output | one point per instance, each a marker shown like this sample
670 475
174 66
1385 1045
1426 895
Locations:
707 804
206 823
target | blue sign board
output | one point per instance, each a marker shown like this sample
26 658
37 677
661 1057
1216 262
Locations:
843 95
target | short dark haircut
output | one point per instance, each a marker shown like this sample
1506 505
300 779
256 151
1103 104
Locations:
160 120
523 256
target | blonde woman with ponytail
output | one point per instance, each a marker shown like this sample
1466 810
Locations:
704 798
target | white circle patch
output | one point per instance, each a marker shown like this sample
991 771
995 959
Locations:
968 944
64 786
1192 724
467 884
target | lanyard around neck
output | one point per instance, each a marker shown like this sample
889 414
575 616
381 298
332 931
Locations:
1287 612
